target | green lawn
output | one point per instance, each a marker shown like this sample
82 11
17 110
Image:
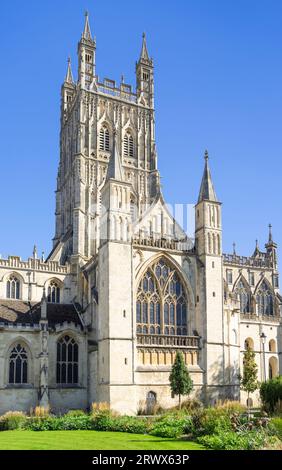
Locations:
88 440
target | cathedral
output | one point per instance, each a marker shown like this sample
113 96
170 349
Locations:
124 288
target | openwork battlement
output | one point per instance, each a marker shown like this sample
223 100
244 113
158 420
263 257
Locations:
124 92
190 342
262 262
164 243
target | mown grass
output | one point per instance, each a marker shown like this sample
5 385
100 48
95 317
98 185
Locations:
89 440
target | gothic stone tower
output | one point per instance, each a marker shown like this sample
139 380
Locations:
208 236
92 113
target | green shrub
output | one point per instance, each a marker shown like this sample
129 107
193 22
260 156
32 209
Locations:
76 413
105 421
271 393
37 423
171 425
62 423
12 420
230 440
209 420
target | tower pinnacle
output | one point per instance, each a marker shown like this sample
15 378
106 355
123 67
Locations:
270 238
207 192
87 32
69 76
144 51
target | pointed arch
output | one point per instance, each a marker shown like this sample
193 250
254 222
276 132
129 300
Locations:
19 362
129 143
14 283
265 298
243 293
104 137
67 367
54 288
163 302
273 367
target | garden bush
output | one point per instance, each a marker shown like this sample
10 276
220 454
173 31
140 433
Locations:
12 420
230 440
62 423
271 393
171 425
76 413
209 420
106 421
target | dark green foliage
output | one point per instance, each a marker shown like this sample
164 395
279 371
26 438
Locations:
210 420
62 423
230 440
180 380
271 393
171 425
105 421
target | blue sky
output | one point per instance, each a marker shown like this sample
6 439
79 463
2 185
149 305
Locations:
218 74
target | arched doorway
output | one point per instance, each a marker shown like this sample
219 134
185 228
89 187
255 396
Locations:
151 402
272 367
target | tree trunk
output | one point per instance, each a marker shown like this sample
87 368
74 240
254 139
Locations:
248 407
179 401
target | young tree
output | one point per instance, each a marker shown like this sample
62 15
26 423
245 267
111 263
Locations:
180 380
249 381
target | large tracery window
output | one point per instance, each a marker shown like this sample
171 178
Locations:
53 293
104 139
67 361
18 362
244 297
161 306
265 300
13 287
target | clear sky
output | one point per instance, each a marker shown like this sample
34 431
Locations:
218 74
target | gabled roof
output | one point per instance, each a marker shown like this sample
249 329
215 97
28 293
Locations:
19 311
155 209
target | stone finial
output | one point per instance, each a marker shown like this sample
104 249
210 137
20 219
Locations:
144 50
207 192
34 252
87 32
43 315
270 238
234 248
69 76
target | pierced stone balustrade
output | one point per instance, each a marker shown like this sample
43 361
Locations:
189 342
